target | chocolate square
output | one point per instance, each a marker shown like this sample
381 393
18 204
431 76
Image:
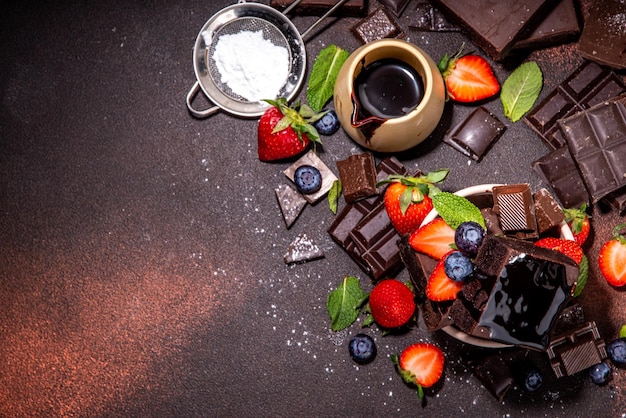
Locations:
377 25
604 35
597 141
311 158
358 176
548 212
576 350
514 205
557 168
476 134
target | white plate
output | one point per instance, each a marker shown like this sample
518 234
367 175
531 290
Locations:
451 330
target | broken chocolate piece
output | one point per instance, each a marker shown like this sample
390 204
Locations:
557 168
377 25
311 158
494 372
561 25
532 286
427 18
572 317
358 176
576 350
587 86
395 6
548 212
302 249
291 203
597 141
604 35
476 134
513 203
353 8
495 26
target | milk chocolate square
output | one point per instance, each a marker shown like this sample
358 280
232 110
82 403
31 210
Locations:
358 176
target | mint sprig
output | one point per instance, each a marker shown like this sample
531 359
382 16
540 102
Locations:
333 196
521 90
345 302
583 275
323 76
455 209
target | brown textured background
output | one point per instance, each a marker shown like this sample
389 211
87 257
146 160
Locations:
141 268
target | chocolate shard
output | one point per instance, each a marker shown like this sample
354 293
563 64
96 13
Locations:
377 25
604 35
561 25
597 141
311 158
585 87
352 8
495 26
302 249
532 286
291 203
548 212
558 170
476 134
358 176
576 350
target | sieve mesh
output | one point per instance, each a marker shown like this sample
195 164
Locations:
243 24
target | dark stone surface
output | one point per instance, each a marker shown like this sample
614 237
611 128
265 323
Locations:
141 250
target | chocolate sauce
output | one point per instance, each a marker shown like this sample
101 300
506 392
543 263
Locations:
525 301
385 89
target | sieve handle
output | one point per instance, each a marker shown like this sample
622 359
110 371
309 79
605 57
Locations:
198 113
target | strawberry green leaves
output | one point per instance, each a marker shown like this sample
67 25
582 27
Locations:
345 302
323 76
520 90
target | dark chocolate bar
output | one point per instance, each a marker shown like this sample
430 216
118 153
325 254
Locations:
558 170
604 35
358 176
495 26
427 18
494 372
576 350
354 8
377 25
476 134
597 141
560 26
587 86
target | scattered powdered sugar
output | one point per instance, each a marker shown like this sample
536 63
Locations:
250 65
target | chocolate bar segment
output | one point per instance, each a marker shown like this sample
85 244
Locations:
353 8
377 25
557 168
358 176
476 134
604 36
587 86
576 350
561 25
597 141
495 26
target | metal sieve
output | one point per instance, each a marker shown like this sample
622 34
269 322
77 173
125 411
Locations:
275 27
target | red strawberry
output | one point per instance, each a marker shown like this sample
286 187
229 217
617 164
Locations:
612 258
578 221
285 131
468 78
440 287
420 364
568 247
391 303
433 239
406 199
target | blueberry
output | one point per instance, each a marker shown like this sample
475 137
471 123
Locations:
327 124
600 373
362 348
468 237
308 179
458 266
616 351
532 378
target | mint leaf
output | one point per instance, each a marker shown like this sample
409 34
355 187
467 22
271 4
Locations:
521 90
583 275
455 209
622 332
344 303
333 196
323 76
